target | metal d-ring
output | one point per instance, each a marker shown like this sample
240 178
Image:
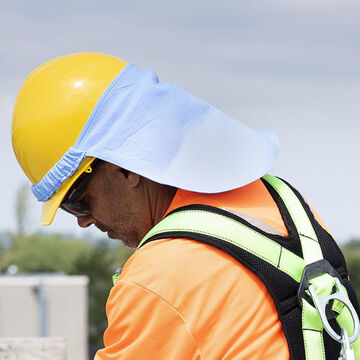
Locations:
340 295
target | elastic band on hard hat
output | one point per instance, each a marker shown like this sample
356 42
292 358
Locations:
62 170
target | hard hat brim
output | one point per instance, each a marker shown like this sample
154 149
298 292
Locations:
51 206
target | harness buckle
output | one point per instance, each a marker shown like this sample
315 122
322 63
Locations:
312 271
339 295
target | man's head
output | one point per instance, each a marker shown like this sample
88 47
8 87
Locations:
121 203
52 106
79 107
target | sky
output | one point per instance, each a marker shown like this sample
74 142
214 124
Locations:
287 65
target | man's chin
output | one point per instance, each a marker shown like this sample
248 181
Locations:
112 235
128 243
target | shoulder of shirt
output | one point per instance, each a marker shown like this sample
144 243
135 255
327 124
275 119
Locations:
177 261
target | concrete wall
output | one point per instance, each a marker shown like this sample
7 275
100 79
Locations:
47 305
32 349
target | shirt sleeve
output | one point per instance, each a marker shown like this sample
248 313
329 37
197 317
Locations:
142 325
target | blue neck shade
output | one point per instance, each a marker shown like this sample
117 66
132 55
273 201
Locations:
165 134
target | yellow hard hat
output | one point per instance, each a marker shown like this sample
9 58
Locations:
51 108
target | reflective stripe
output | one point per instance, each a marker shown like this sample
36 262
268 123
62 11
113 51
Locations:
250 219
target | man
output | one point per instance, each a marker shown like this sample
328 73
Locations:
222 247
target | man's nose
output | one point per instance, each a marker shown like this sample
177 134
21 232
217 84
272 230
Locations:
86 221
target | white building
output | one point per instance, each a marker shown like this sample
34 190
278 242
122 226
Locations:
46 305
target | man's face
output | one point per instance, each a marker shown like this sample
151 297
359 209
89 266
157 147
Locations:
118 205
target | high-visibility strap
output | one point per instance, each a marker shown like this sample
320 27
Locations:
221 227
234 232
309 241
312 325
191 222
312 328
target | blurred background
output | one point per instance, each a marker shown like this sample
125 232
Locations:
290 66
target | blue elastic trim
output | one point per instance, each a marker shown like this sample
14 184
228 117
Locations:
62 170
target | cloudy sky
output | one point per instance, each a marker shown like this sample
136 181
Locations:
288 65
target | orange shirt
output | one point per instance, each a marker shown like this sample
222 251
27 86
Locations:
180 299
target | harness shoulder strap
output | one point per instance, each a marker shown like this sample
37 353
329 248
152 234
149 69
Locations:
309 242
274 257
208 224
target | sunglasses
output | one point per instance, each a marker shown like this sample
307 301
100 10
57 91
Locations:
71 203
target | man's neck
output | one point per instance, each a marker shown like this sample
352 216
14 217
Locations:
160 197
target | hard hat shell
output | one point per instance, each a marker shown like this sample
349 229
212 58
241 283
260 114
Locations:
51 108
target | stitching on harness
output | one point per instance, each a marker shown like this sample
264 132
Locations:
308 237
230 241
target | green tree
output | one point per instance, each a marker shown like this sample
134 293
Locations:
351 252
45 253
21 209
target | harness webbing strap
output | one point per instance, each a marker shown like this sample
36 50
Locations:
309 241
312 325
213 226
312 328
224 228
324 283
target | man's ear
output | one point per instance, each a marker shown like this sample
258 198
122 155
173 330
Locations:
133 179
